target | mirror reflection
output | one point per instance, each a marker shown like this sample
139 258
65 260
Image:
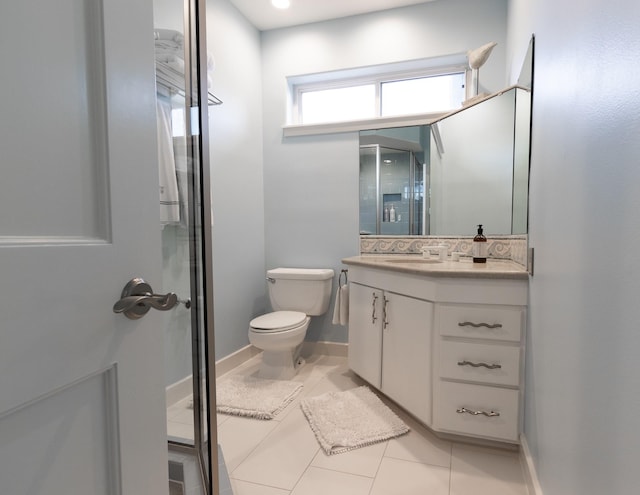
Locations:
466 168
445 178
392 181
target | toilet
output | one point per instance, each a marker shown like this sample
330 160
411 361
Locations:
296 294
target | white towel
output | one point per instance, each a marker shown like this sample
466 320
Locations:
169 201
341 308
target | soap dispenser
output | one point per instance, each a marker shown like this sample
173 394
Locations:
479 249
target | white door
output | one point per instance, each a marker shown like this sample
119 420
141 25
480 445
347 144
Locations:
81 388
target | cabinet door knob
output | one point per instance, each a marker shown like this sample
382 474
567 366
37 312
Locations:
478 325
478 365
490 414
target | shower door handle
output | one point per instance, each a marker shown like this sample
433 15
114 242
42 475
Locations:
138 298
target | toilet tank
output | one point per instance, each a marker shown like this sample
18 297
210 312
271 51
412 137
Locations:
300 289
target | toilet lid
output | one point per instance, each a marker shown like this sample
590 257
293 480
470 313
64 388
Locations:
278 321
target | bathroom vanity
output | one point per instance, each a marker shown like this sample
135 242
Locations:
445 340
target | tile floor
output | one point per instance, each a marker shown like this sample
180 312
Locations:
282 456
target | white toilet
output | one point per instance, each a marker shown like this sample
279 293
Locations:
296 294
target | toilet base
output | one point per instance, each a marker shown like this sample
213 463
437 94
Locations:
281 365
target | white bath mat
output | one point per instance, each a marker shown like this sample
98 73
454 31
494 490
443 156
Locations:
344 421
255 397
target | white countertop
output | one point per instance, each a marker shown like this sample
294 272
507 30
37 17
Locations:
465 268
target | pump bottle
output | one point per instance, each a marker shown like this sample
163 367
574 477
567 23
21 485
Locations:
479 248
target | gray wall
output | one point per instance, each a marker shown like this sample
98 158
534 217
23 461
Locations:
237 176
311 183
583 371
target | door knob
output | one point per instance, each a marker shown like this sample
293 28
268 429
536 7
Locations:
138 298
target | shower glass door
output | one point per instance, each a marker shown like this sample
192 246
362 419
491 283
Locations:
419 217
395 187
392 185
186 244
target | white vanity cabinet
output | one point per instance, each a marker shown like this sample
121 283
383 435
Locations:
478 363
389 336
447 348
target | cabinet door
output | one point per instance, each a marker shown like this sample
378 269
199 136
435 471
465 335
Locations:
406 355
365 332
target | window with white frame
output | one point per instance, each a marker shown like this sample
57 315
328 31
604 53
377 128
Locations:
427 86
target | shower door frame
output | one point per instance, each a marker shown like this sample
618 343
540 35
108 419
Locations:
205 447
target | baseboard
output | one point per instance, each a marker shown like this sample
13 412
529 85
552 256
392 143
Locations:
235 359
529 468
178 391
337 349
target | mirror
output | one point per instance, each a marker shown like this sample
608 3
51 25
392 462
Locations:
466 168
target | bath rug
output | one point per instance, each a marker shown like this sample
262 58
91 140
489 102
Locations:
255 397
344 421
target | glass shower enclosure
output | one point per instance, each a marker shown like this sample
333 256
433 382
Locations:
393 183
182 101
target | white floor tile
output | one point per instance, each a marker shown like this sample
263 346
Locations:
246 488
177 409
221 418
238 437
179 431
364 461
485 472
399 477
283 456
420 445
184 416
316 481
337 381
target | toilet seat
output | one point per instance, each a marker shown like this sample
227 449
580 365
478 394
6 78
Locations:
277 321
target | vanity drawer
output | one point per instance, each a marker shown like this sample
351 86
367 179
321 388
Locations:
480 322
455 399
487 363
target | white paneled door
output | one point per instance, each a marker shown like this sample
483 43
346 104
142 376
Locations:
81 388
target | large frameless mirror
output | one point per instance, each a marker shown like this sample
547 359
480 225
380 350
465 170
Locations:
468 167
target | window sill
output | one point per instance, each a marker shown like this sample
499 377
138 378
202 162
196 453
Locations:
359 125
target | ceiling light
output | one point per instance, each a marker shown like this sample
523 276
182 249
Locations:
281 4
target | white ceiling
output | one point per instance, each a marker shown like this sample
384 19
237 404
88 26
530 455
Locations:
264 16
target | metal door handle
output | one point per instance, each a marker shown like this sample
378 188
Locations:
489 414
138 298
478 325
373 308
385 322
477 365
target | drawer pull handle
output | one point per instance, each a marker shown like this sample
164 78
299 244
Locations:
478 365
478 325
490 414
374 298
385 321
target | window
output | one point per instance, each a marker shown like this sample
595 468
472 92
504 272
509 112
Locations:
422 95
338 104
427 86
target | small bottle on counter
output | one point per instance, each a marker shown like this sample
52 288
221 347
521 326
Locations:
479 249
392 214
385 214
